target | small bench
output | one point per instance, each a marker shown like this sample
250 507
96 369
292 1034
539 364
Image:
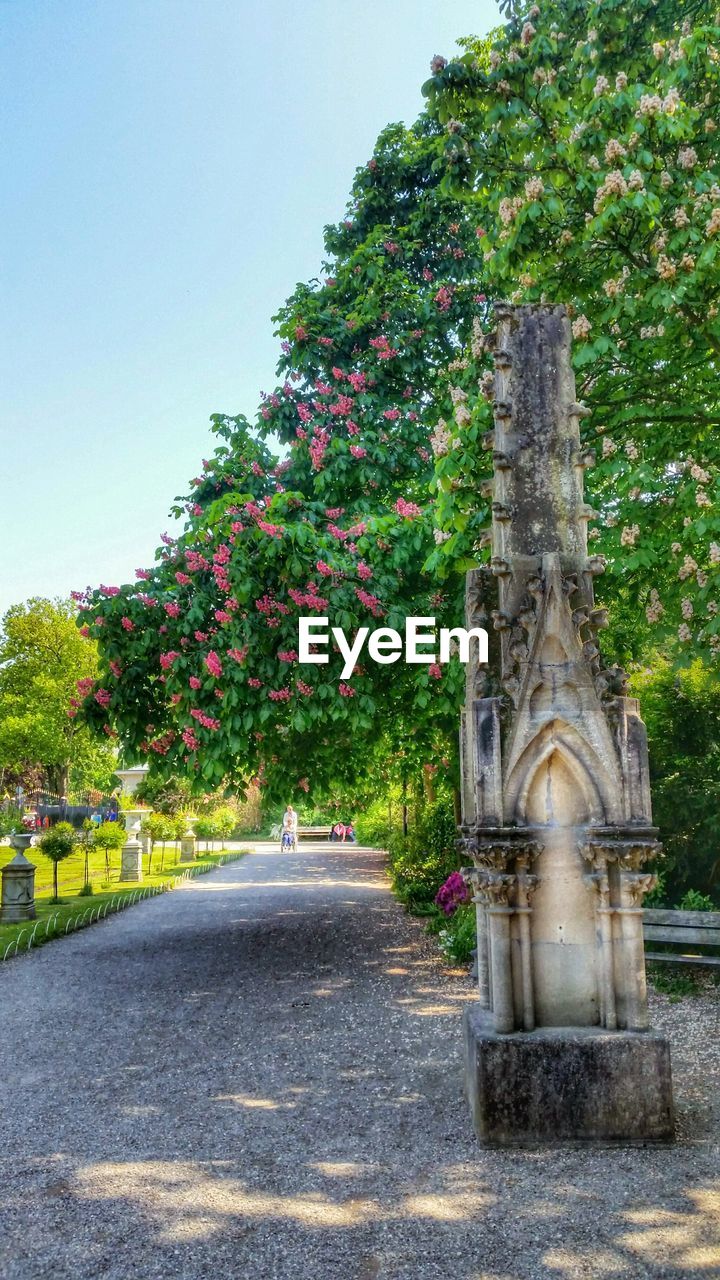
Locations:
687 930
314 833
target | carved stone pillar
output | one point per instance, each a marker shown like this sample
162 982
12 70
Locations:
556 796
633 887
497 888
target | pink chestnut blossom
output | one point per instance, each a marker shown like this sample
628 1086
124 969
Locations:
371 602
407 509
208 722
213 663
238 655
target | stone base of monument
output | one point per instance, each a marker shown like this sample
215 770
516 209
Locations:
567 1085
131 862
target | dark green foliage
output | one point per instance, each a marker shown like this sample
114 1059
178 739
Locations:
422 860
682 713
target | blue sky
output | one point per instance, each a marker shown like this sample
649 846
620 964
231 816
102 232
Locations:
168 169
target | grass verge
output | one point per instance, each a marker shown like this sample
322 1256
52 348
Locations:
54 920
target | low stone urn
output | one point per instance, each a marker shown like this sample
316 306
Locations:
18 883
188 846
131 861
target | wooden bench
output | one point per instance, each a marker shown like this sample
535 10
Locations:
314 833
685 929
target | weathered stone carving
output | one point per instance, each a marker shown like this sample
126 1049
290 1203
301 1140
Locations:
556 798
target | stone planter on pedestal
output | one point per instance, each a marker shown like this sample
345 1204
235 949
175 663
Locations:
188 847
18 883
131 863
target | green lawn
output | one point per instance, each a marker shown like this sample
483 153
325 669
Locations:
71 878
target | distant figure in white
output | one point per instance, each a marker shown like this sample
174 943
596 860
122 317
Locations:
289 829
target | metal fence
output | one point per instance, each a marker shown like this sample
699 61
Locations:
44 930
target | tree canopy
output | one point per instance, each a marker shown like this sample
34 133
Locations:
587 144
42 658
572 157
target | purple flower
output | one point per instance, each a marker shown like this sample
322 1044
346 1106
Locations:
452 894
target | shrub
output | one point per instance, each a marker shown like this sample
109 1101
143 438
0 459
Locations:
694 901
421 861
57 844
109 836
458 937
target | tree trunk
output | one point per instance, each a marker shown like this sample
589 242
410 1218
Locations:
56 777
55 880
404 807
429 783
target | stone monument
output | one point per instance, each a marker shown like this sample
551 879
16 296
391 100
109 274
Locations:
18 883
131 857
188 847
555 795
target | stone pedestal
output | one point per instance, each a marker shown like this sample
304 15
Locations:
131 860
566 1085
188 847
18 884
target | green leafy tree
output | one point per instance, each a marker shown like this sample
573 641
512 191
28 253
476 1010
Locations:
206 829
572 160
159 828
57 844
42 658
586 144
682 713
199 666
225 819
110 836
88 827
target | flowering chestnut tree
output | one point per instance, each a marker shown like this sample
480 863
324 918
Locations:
573 157
199 657
587 144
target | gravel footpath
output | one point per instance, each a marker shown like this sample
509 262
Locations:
259 1075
